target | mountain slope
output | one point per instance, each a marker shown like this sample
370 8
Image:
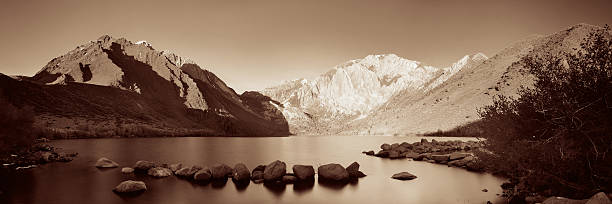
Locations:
352 90
455 101
115 78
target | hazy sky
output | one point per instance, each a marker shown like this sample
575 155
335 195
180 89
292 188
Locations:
255 44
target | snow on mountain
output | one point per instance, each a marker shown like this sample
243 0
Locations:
350 91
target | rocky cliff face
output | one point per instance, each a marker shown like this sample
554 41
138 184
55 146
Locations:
351 91
166 80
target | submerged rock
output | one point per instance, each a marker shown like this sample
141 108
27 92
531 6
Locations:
403 176
333 172
127 170
143 166
130 186
106 163
159 172
303 172
275 171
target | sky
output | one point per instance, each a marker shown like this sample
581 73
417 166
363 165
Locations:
253 44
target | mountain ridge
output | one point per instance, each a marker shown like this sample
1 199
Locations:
160 83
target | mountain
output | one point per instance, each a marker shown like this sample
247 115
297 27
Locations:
351 91
456 100
116 83
388 95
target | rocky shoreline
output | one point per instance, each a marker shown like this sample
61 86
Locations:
39 153
272 175
452 153
462 154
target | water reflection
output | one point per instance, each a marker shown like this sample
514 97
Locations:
79 182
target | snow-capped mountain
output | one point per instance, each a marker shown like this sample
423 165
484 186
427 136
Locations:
352 90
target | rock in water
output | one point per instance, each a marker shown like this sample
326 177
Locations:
403 176
241 172
275 171
333 172
259 168
289 179
303 172
159 172
203 175
106 163
257 175
353 170
458 155
175 167
220 171
143 166
188 171
599 198
440 158
385 146
130 186
127 170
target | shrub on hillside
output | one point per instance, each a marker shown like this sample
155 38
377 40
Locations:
557 136
15 126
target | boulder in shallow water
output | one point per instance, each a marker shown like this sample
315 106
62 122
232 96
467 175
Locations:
424 141
385 146
275 171
289 179
106 163
259 168
440 158
143 166
257 175
130 186
382 154
241 172
127 170
394 154
458 155
188 172
369 153
410 154
303 172
353 170
203 175
333 172
159 172
220 171
403 176
175 167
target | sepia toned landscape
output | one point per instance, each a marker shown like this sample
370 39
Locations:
306 102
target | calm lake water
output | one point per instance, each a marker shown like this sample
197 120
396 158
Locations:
80 182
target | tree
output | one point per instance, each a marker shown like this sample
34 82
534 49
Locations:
558 133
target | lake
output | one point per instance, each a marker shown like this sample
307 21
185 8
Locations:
80 182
